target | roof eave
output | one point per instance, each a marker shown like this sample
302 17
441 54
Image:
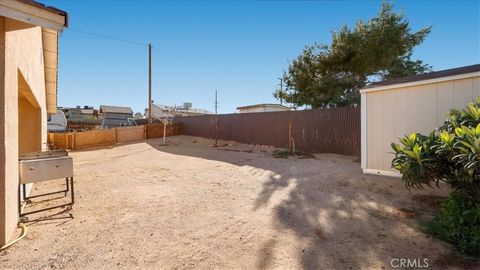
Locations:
421 82
35 13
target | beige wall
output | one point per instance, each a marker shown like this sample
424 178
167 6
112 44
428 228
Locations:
29 127
263 109
21 62
393 113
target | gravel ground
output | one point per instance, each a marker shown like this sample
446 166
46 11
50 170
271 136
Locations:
189 205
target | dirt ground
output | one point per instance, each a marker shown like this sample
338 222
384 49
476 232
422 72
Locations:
189 205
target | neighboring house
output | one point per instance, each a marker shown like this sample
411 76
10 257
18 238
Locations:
161 111
395 108
85 113
264 107
28 74
82 118
116 116
164 111
57 122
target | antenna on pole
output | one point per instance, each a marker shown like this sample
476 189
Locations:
149 83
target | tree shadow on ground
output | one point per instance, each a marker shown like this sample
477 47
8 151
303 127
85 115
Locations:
340 218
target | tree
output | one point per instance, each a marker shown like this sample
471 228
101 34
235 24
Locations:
381 48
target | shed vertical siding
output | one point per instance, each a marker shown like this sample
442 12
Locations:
396 112
476 86
463 92
446 99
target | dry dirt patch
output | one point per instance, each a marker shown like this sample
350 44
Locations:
189 205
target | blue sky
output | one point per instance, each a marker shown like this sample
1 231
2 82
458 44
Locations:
240 48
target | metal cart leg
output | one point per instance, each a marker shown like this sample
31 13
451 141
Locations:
66 184
73 192
68 205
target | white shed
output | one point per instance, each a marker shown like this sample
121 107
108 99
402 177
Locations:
394 108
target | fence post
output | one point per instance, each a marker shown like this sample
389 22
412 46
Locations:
66 140
290 135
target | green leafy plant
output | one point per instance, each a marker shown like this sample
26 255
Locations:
459 224
450 154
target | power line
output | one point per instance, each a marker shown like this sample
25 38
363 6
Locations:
109 37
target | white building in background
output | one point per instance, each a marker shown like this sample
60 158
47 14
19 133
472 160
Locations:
264 107
165 111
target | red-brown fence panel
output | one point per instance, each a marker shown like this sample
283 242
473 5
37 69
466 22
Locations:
324 131
156 130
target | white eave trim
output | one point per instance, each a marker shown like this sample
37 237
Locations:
415 83
23 12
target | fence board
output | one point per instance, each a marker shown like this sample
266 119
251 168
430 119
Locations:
126 134
324 131
156 130
103 137
94 138
60 140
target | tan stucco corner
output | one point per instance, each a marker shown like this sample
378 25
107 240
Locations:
28 87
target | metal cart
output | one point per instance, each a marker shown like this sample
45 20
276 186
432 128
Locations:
44 166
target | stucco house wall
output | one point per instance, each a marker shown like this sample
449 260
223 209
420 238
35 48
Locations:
23 91
28 70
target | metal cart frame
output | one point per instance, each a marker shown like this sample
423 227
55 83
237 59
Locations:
22 191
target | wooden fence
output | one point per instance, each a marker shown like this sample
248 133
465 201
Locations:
324 131
105 137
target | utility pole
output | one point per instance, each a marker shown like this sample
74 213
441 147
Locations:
149 83
281 91
216 119
216 102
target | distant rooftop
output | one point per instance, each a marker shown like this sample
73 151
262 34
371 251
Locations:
115 109
181 109
263 105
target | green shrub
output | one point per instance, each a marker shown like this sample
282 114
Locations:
450 154
458 223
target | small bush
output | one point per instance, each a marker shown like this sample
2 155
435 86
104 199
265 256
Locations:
450 154
458 223
282 153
